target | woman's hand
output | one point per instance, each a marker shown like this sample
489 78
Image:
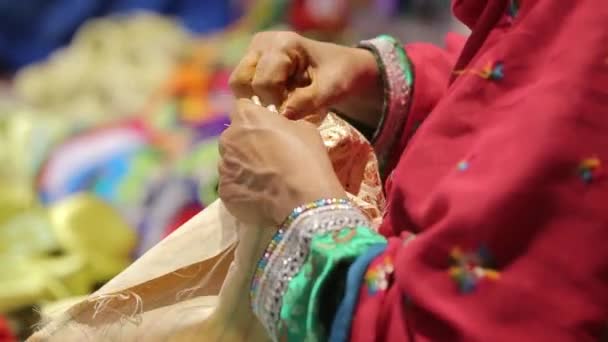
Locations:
305 76
270 165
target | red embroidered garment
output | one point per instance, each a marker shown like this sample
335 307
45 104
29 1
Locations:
502 182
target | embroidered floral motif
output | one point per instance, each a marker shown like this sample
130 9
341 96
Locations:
376 277
589 169
469 268
493 71
463 165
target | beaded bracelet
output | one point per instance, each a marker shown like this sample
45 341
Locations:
278 236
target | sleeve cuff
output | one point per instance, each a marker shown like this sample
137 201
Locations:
278 268
398 78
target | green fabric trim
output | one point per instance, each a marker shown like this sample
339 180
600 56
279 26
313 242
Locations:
299 318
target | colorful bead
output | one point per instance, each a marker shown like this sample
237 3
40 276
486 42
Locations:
589 169
469 268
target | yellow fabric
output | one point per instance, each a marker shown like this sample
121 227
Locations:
59 252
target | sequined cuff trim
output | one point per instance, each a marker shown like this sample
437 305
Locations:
291 253
398 78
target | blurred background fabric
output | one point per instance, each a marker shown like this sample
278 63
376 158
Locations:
31 29
110 112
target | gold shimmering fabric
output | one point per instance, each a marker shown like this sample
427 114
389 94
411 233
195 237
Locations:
193 286
355 164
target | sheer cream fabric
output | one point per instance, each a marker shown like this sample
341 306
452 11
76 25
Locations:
194 285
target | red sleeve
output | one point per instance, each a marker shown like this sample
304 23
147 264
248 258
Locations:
506 186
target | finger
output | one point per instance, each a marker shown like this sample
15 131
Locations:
228 142
242 76
303 102
226 171
222 143
271 75
246 111
239 112
223 182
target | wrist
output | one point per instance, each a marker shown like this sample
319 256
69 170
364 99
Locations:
321 187
365 102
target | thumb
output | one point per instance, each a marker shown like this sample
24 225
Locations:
303 102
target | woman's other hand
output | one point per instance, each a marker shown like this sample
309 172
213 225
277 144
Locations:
305 76
270 165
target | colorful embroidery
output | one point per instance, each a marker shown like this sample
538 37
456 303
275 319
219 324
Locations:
589 169
493 71
469 268
376 277
463 165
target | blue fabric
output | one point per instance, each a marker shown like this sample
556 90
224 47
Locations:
340 328
31 29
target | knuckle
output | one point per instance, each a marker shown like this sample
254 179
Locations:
244 107
241 104
266 83
288 39
259 83
259 37
341 86
235 79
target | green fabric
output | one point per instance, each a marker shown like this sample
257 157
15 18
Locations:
299 318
